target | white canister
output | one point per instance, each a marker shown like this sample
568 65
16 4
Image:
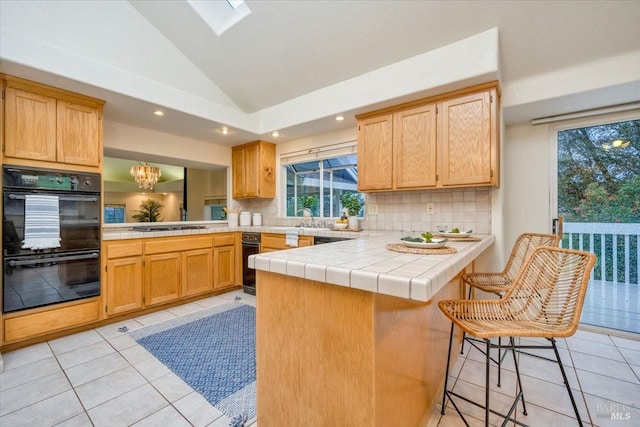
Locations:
245 218
257 218
232 219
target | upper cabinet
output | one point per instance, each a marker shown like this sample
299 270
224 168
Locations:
45 126
375 153
468 141
440 142
253 169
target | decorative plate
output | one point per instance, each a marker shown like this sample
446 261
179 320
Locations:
434 244
450 234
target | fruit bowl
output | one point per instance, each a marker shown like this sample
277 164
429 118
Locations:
340 225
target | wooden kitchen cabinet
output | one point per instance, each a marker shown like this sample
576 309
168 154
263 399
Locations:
270 242
30 125
414 142
468 140
147 272
253 170
450 140
226 249
196 272
166 268
375 153
124 280
162 278
45 126
224 259
79 140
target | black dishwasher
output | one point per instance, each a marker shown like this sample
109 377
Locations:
319 240
250 246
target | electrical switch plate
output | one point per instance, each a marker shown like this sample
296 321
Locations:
431 208
372 209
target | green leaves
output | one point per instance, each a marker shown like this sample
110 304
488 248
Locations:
149 211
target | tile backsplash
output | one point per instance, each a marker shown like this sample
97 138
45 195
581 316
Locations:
466 209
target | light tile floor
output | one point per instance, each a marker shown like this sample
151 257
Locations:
603 371
102 377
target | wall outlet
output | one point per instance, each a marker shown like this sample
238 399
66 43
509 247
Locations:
372 209
431 208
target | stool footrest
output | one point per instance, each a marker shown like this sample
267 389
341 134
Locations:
507 417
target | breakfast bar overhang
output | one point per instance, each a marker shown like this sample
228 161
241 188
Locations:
350 333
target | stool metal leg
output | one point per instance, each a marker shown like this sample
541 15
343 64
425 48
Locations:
486 385
463 332
446 376
566 381
515 362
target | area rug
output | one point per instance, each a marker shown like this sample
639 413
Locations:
214 351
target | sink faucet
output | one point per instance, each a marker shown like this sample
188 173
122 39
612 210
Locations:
306 214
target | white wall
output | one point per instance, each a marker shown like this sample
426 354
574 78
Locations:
526 177
163 147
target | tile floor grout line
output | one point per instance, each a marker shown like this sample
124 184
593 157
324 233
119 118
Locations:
575 371
72 388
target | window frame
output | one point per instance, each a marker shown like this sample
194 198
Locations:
321 184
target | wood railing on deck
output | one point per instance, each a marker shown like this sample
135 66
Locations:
621 265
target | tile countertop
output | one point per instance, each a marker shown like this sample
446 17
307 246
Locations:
365 263
118 233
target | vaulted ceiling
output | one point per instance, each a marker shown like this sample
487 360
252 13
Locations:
292 66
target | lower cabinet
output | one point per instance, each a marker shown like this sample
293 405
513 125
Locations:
196 272
162 278
123 277
18 327
147 272
225 253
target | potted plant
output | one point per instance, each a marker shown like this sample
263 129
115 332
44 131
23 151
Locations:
352 202
149 211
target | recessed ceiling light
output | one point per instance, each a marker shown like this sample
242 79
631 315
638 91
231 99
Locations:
275 134
339 118
224 130
618 143
158 113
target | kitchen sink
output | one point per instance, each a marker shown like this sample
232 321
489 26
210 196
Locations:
306 229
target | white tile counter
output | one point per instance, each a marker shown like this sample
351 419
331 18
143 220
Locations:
365 263
118 232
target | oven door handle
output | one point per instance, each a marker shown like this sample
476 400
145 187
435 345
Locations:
65 198
13 263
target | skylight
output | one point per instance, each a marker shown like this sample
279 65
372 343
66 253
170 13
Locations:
220 15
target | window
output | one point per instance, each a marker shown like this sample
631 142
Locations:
317 185
114 214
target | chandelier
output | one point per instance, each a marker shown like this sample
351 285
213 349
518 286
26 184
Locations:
146 176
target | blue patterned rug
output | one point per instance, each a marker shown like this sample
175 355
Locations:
214 351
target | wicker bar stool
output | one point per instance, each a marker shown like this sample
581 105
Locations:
499 282
544 301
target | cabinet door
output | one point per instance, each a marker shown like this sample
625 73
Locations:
78 134
124 285
162 278
375 153
238 171
252 171
414 138
224 267
466 141
196 272
30 125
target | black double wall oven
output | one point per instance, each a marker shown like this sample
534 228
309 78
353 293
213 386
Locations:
37 275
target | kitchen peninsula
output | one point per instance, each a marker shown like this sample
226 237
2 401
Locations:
349 333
